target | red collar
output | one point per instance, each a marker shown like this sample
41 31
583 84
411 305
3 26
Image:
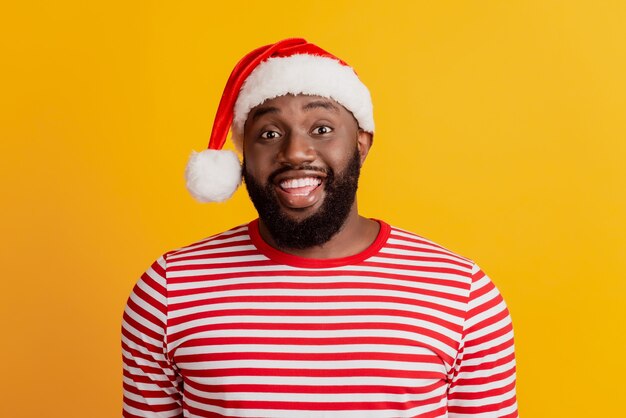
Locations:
296 261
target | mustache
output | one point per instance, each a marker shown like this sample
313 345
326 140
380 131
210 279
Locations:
286 168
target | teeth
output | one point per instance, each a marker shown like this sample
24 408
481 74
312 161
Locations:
301 182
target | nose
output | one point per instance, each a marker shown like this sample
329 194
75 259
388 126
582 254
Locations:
296 149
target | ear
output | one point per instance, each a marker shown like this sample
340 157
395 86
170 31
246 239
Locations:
364 143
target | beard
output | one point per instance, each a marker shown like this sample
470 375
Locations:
319 227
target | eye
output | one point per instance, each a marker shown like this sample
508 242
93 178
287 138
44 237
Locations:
322 130
270 135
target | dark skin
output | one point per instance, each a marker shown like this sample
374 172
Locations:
296 131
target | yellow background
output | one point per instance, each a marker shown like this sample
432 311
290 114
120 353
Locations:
500 134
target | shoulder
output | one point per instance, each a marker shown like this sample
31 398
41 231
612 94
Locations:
429 258
441 262
223 242
152 288
403 242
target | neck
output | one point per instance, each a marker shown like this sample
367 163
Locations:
356 234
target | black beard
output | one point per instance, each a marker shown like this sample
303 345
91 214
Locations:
318 228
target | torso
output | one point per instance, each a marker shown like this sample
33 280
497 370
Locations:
257 332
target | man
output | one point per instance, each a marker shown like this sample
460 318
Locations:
311 310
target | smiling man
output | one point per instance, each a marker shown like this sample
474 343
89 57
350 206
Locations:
301 168
311 310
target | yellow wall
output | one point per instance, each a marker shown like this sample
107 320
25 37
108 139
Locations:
501 134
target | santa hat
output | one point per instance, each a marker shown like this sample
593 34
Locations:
292 66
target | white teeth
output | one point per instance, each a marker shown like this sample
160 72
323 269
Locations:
300 182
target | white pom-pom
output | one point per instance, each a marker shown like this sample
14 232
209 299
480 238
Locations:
213 175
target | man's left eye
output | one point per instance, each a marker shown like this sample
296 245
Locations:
321 130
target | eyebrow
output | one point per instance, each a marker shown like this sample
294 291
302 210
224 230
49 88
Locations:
317 104
324 104
263 111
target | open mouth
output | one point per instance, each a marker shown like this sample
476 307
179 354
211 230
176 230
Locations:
302 186
300 189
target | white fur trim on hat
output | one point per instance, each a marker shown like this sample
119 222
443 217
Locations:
303 74
213 175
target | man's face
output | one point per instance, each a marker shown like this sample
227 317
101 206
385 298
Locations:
302 156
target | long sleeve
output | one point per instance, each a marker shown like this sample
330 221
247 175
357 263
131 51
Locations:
483 379
152 388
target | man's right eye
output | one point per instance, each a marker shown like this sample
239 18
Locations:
270 135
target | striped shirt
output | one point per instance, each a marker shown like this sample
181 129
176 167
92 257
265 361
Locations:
231 327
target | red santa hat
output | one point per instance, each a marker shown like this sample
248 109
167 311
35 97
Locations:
292 66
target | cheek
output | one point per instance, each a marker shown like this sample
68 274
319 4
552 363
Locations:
258 166
339 156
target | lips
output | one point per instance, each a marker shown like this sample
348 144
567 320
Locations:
302 186
298 189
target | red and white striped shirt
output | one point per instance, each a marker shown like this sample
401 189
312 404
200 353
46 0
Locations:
231 327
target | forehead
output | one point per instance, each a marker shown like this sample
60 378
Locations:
299 103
